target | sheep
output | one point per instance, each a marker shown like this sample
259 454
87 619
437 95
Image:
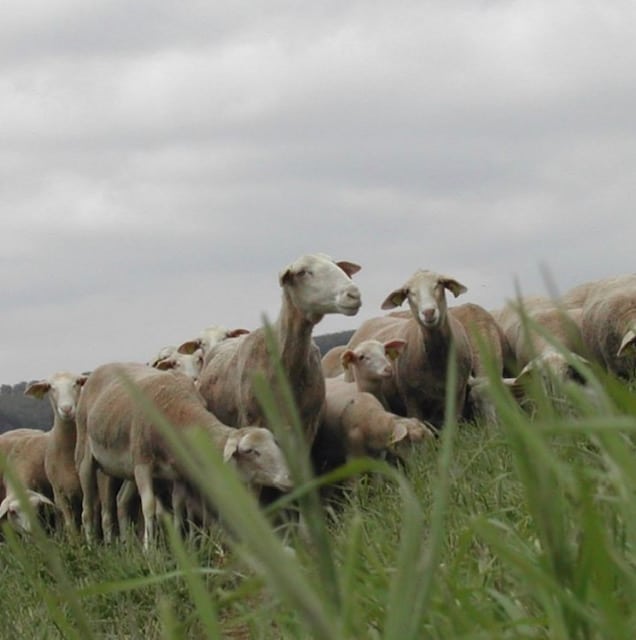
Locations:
608 325
356 424
532 350
119 438
369 364
169 358
12 511
63 389
208 338
418 386
312 286
26 455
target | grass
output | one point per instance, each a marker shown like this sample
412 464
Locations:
525 529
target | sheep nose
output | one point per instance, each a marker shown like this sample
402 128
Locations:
428 315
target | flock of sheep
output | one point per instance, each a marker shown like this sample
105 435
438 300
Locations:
383 391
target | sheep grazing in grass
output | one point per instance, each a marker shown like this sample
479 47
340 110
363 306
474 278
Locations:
25 452
63 389
608 324
118 437
356 424
313 285
533 351
418 387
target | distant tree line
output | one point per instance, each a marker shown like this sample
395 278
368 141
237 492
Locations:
18 410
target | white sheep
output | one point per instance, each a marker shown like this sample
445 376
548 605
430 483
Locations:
418 387
331 363
169 358
369 364
208 338
63 389
313 285
532 350
608 324
120 438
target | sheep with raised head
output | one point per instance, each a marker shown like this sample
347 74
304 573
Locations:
312 286
122 440
63 389
608 324
418 387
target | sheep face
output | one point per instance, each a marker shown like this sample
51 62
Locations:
209 338
318 285
188 364
258 458
372 358
11 510
64 391
426 295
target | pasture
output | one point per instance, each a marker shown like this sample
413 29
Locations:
522 529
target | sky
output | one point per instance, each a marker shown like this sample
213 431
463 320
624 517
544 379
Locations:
160 163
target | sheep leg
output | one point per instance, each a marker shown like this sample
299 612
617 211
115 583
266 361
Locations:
87 474
143 479
64 505
105 488
125 496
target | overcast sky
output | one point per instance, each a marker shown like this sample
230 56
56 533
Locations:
161 162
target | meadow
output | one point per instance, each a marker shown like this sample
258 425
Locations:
522 529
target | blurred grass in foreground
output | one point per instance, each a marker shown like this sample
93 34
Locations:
522 530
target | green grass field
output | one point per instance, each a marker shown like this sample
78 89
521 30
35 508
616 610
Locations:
525 529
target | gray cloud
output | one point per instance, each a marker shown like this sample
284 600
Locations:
159 165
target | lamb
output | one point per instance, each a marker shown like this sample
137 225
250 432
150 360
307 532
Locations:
313 285
608 325
208 338
63 389
119 438
418 386
169 358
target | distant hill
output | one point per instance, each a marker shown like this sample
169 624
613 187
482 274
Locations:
330 340
18 410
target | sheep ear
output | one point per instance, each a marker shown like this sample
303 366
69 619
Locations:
4 507
399 433
231 447
165 364
349 267
347 358
81 380
393 348
395 298
235 333
456 288
285 277
189 347
38 389
628 344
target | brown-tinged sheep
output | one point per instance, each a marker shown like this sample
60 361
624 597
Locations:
120 438
63 389
418 387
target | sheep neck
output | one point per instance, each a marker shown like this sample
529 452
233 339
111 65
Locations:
436 342
293 330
